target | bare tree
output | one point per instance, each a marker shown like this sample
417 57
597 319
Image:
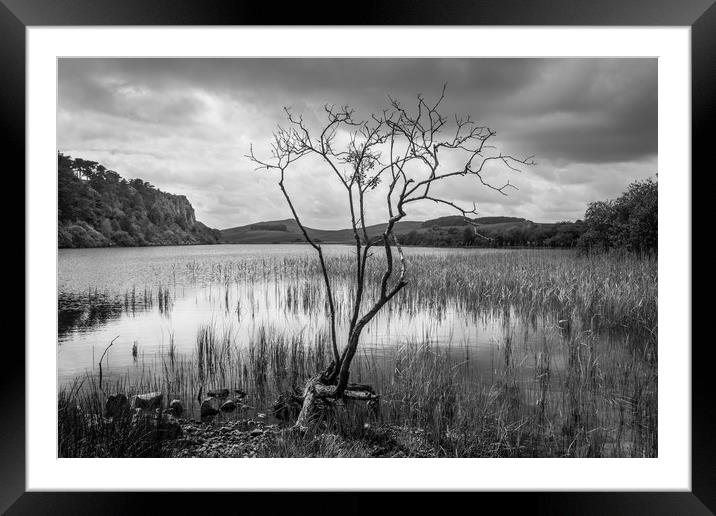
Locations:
401 149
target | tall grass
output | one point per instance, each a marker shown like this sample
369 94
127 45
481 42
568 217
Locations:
576 378
84 432
605 290
603 404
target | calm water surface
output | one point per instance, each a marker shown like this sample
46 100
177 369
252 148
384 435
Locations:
153 298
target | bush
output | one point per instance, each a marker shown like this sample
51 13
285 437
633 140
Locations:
64 237
629 222
123 239
84 235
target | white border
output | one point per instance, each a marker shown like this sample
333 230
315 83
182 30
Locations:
671 470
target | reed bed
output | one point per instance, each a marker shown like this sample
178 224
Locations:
608 290
603 404
577 378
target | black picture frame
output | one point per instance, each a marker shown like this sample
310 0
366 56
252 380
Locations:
17 15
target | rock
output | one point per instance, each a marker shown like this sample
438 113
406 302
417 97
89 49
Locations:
257 432
149 401
240 394
117 405
210 407
219 393
176 408
228 406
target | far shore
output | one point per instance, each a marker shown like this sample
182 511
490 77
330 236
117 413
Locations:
349 244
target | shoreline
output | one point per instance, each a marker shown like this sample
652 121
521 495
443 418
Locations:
349 244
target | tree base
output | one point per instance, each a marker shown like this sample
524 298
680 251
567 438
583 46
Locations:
318 398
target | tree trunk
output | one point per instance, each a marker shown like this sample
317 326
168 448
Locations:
317 395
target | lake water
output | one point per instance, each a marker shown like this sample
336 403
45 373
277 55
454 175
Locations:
236 289
574 336
154 299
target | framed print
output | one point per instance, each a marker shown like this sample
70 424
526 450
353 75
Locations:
432 250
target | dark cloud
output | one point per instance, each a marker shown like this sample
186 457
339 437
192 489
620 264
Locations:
185 125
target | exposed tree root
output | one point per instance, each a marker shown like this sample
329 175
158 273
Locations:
317 396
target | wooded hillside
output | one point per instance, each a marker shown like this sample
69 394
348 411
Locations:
99 208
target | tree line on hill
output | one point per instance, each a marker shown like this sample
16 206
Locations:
629 222
268 227
522 234
99 208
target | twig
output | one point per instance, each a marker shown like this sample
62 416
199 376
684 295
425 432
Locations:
102 357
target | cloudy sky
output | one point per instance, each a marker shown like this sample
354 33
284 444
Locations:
185 126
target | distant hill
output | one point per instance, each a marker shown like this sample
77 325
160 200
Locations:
459 220
99 208
452 231
287 231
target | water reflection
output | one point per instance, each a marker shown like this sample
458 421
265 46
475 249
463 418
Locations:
159 300
80 313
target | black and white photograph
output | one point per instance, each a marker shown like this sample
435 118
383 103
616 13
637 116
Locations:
384 257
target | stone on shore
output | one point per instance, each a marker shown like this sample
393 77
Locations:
218 393
210 407
117 405
176 408
149 401
228 406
